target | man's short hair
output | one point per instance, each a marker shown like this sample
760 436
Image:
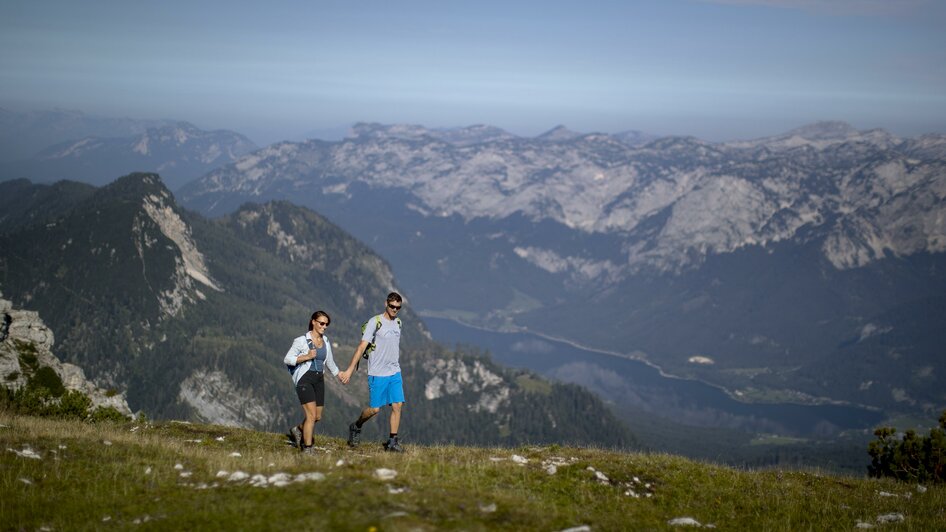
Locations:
394 296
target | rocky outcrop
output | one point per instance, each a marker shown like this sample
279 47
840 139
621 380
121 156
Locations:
24 337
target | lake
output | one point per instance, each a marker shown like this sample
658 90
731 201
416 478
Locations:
631 384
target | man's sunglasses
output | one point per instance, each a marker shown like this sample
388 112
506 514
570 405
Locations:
394 307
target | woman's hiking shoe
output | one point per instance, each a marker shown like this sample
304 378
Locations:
354 434
308 449
393 446
295 436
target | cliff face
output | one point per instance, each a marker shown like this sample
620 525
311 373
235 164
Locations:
26 346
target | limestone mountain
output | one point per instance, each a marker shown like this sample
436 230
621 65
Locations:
755 265
180 152
26 357
191 318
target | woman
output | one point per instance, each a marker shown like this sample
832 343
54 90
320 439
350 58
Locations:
306 360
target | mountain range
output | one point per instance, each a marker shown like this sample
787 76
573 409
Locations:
179 151
190 318
804 267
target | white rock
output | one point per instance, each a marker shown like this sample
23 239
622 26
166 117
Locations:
920 488
259 481
305 477
339 463
237 476
26 481
148 470
522 460
223 473
25 453
683 521
862 524
551 469
106 519
219 438
235 454
488 508
106 443
891 518
395 491
385 474
178 466
887 494
186 474
580 528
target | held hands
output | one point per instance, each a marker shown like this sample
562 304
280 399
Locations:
344 376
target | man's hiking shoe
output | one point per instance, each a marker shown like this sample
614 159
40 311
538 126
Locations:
393 446
354 434
295 436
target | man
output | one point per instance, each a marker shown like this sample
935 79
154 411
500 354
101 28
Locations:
384 371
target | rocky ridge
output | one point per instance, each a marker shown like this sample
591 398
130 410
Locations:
22 330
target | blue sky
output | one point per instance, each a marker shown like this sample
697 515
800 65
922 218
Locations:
716 69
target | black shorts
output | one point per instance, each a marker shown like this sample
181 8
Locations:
311 388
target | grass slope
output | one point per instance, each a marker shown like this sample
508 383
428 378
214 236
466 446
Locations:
105 476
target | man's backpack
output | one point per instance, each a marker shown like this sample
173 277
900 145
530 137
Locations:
372 345
293 368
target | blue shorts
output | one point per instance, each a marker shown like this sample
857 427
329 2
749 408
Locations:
383 391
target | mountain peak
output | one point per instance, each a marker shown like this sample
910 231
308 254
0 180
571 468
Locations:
559 132
825 130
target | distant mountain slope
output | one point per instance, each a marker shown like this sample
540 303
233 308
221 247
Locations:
761 257
180 152
191 318
24 133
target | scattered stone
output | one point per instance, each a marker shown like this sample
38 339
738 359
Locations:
551 469
891 518
340 463
180 422
684 521
920 488
237 476
133 429
521 460
2 426
305 477
178 467
395 514
236 455
488 508
496 459
223 473
580 528
194 441
185 474
26 481
862 524
148 470
62 446
106 519
395 491
27 452
258 480
887 494
106 443
280 479
219 438
385 474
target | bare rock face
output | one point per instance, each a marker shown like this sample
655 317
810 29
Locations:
23 334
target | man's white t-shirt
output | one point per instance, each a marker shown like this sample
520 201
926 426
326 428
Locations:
385 359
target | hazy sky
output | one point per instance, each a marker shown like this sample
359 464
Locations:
717 69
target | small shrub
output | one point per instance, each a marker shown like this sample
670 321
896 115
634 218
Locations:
13 376
107 414
911 457
73 405
46 377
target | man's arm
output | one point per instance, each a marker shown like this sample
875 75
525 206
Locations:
346 375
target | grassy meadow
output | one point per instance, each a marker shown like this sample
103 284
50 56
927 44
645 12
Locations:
68 475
